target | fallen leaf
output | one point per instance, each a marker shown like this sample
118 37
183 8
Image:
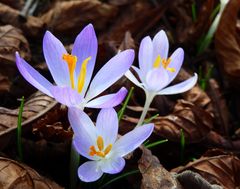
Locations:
195 95
222 170
31 26
214 139
195 123
69 17
220 108
35 107
187 31
190 179
12 40
4 83
154 174
120 2
227 44
137 18
16 175
16 4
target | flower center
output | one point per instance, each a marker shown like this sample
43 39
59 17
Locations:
71 62
101 152
165 63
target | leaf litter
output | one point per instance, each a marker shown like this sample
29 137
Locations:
208 118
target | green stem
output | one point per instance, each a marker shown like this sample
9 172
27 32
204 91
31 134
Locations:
74 163
149 98
19 131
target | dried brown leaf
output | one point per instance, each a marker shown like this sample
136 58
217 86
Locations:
195 95
70 16
36 106
222 170
137 18
216 140
15 175
31 26
4 83
227 43
154 174
188 31
220 109
16 4
190 180
120 2
195 122
12 40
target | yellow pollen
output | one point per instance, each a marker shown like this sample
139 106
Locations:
92 151
157 62
102 152
108 149
165 63
71 61
83 73
100 143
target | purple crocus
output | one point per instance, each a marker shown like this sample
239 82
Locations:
100 143
157 71
72 72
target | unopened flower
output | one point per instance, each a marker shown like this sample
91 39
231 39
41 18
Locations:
157 70
100 144
72 72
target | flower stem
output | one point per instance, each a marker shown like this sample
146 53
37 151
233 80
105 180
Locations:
149 98
74 164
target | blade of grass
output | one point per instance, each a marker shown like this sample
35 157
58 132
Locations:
19 130
156 143
122 110
119 177
148 120
146 142
182 145
209 36
194 12
203 79
215 11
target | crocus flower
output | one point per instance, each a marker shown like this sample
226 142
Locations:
157 70
72 72
100 144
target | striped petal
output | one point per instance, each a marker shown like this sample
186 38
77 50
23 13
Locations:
33 76
145 54
53 51
66 96
86 46
113 70
90 171
85 133
160 45
108 101
107 125
133 79
113 165
176 63
180 87
156 79
132 140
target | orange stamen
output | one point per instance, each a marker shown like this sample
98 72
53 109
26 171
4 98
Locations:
100 144
71 61
82 75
